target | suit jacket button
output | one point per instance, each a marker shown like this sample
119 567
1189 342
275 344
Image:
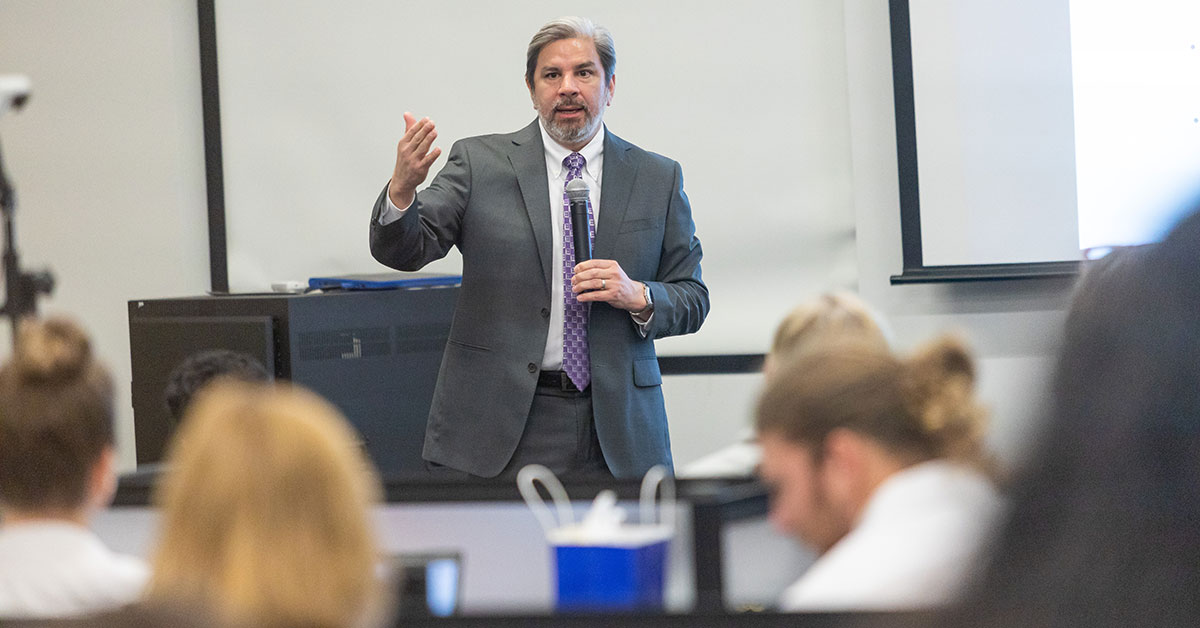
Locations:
533 368
545 313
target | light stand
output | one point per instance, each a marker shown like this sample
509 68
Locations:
21 287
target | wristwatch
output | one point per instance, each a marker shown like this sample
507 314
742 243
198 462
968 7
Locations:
649 302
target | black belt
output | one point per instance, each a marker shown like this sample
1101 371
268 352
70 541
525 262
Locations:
558 380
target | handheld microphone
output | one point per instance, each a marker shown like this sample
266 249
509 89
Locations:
577 194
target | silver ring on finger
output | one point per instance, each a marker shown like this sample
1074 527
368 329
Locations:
603 285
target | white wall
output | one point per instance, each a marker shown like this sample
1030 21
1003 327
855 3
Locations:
1014 326
708 412
750 102
108 162
107 159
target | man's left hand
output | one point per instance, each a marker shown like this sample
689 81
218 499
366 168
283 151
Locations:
603 280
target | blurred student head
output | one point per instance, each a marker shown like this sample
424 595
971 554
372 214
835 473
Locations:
57 453
830 317
198 369
265 513
1105 523
838 420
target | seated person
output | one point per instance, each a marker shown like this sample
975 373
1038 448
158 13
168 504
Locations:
185 381
57 467
198 369
877 464
265 511
832 316
1104 528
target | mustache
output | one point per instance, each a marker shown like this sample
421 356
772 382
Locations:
570 102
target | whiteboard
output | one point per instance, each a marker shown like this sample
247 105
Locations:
1050 128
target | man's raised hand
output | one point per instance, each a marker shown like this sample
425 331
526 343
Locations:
413 158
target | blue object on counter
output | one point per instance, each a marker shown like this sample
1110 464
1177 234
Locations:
605 578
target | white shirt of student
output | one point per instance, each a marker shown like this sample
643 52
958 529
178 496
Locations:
60 569
916 546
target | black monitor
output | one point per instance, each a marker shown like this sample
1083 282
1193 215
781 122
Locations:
159 344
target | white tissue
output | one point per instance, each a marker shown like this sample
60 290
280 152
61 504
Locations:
604 524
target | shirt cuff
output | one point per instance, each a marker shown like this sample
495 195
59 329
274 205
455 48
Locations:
642 325
391 213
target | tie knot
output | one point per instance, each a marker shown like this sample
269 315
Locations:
574 164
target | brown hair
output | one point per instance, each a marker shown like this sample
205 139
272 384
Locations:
56 417
920 408
570 27
265 510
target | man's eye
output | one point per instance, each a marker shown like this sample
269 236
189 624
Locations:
550 75
585 73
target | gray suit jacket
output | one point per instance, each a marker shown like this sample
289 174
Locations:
491 201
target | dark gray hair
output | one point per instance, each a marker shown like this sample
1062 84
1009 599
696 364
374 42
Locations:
568 28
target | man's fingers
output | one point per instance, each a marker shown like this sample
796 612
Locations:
594 264
583 275
430 158
413 136
413 156
426 141
414 148
412 132
593 280
596 290
421 131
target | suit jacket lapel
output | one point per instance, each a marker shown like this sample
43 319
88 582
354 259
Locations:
615 188
528 159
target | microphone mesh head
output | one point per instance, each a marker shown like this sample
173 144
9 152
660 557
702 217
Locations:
577 190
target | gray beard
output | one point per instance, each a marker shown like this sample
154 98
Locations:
567 134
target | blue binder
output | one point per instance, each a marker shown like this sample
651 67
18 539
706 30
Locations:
384 281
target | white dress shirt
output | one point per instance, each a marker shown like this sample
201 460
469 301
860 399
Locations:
916 545
556 174
60 569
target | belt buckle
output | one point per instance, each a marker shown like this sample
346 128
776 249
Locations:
564 382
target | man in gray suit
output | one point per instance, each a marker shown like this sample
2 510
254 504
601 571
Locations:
549 361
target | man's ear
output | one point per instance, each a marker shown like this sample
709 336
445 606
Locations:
612 89
768 366
102 484
844 449
843 470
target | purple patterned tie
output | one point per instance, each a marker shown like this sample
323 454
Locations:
575 314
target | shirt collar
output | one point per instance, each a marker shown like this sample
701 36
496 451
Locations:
556 153
926 485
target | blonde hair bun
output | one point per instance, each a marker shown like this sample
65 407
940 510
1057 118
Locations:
940 390
51 350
